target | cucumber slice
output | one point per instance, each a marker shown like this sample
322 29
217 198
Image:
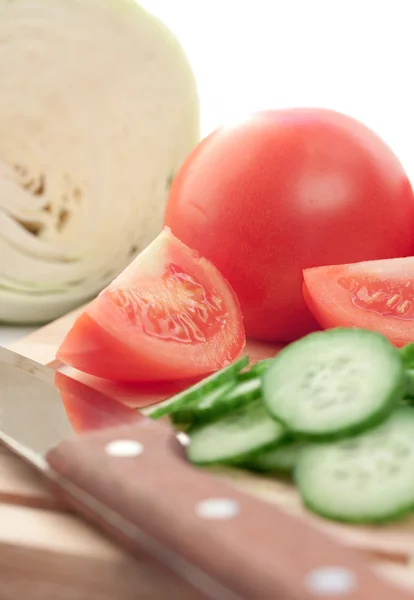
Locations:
233 438
363 479
276 460
244 391
198 390
255 371
217 403
409 384
333 383
407 355
202 409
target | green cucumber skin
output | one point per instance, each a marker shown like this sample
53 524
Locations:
226 406
189 414
409 386
255 371
372 420
232 398
278 468
207 384
375 419
407 355
398 515
392 518
247 414
241 459
205 417
251 456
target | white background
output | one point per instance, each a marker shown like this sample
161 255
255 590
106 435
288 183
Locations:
356 56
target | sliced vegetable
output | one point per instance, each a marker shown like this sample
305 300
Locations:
334 383
367 478
375 295
169 315
89 409
279 460
255 371
409 384
244 391
407 355
198 390
217 403
192 412
235 437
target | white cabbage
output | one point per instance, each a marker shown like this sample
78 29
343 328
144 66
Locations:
98 109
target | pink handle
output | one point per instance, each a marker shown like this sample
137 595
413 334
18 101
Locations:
239 546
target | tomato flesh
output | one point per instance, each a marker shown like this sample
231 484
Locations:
170 315
287 190
178 309
386 298
377 295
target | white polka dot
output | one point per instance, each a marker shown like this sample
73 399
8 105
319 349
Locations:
217 508
183 438
331 581
124 448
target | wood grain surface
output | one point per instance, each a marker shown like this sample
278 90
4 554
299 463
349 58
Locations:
35 529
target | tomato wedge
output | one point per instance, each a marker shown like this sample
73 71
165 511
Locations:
89 409
376 295
169 315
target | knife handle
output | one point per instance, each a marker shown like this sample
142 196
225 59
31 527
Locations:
139 483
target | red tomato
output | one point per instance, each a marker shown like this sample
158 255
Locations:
88 409
170 315
287 190
376 295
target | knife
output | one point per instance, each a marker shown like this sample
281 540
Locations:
128 474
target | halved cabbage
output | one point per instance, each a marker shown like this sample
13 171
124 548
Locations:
98 109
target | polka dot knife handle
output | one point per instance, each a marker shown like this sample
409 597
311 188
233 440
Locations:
134 481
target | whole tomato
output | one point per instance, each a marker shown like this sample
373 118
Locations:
284 191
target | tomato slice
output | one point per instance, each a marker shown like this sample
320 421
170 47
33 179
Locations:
376 295
89 409
169 315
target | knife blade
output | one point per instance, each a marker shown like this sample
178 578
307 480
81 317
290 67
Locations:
128 475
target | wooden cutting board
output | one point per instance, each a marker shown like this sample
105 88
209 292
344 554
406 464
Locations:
36 531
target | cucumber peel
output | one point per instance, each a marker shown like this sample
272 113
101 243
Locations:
279 460
197 390
234 438
217 403
334 383
366 478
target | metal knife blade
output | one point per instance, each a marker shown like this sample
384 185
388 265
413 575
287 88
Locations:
27 396
128 474
34 414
